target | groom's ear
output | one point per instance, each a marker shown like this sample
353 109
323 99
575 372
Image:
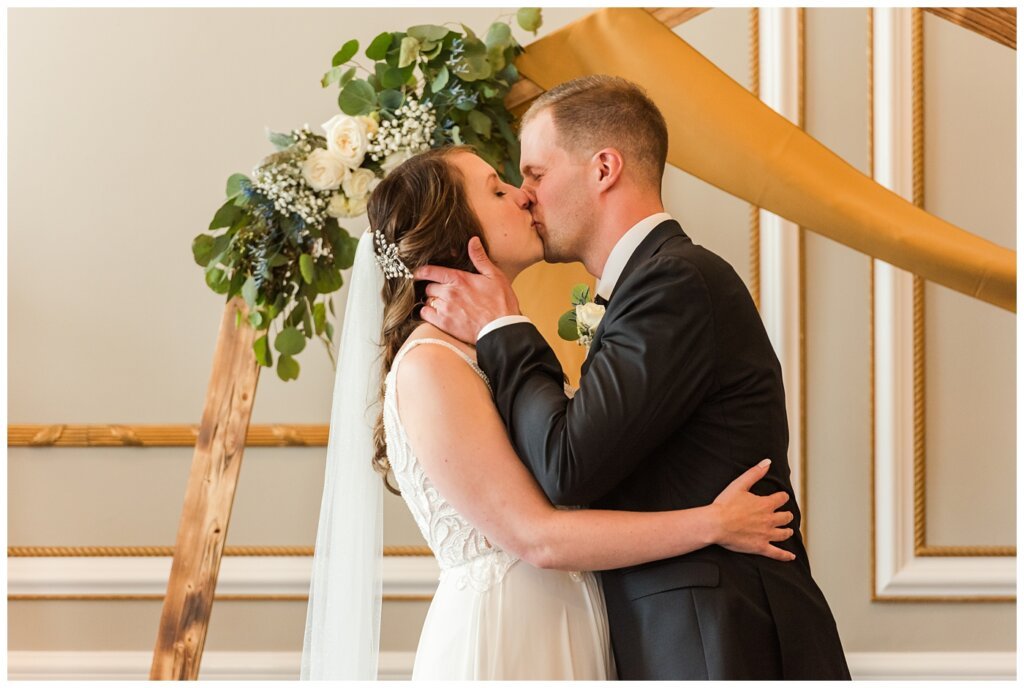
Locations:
608 166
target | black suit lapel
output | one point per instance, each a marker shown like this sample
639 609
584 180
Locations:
647 248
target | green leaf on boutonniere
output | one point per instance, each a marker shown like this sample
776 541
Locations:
567 328
580 294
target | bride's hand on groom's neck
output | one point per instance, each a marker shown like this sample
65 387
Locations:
462 303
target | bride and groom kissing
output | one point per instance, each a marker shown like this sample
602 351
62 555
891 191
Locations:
696 538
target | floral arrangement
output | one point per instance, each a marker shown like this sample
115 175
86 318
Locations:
580 322
284 250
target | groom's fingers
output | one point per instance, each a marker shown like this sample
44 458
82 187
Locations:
436 273
773 552
781 518
479 256
780 534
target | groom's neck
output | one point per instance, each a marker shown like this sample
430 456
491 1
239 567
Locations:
614 220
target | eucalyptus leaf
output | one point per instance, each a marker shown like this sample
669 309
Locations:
306 267
390 99
256 319
440 80
226 215
498 35
529 18
394 77
580 294
307 322
328 280
280 141
236 184
249 292
378 47
346 77
567 326
261 348
408 51
346 53
289 341
334 74
217 281
235 285
202 249
428 32
287 368
319 317
480 123
345 254
329 329
357 98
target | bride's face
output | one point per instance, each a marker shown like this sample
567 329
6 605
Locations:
504 214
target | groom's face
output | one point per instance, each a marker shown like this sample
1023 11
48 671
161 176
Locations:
556 182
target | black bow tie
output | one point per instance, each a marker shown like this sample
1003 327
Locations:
600 300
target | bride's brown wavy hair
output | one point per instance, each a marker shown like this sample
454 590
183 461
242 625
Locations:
422 208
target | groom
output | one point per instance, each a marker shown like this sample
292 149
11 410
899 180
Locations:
680 392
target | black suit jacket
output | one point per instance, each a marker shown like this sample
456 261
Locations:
680 393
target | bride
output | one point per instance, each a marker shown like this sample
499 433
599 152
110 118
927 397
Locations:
516 597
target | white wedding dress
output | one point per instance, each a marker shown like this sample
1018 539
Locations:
493 616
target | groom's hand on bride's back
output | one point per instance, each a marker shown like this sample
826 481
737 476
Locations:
462 303
749 523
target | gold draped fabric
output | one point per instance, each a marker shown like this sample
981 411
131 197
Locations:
721 133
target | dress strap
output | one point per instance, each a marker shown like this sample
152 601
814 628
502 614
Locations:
409 346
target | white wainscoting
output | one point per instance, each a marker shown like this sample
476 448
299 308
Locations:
238 575
899 572
284 666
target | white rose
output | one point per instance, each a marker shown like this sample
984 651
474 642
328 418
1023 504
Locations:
370 125
358 183
588 316
338 207
394 160
342 206
324 170
347 138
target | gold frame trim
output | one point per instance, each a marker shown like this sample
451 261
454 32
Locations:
921 548
217 598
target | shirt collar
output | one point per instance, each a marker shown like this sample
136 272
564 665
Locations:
623 251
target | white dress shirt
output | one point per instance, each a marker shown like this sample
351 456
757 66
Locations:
623 250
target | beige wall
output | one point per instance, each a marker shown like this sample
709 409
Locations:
128 122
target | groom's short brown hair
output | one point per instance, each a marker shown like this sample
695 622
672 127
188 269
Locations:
600 111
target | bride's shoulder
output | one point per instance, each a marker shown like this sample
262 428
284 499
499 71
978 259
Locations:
424 367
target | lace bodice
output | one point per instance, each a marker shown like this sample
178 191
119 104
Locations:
461 549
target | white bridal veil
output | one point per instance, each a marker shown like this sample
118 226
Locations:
343 616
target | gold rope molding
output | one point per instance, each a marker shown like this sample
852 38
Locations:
180 435
236 551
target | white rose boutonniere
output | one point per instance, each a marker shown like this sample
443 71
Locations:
579 324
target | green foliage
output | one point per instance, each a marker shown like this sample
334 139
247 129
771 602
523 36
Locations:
529 19
567 326
580 294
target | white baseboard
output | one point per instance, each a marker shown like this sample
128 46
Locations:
394 666
215 666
